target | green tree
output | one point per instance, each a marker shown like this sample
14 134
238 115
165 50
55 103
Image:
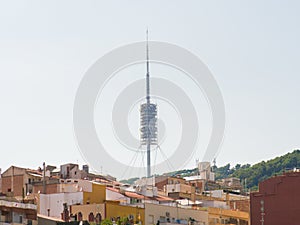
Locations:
106 222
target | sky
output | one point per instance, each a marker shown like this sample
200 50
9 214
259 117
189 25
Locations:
251 47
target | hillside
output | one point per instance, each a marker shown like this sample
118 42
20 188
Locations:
249 175
252 175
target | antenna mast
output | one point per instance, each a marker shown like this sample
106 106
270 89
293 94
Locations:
148 115
148 73
148 108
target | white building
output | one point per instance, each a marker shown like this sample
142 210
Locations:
52 204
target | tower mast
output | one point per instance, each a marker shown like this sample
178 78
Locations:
148 116
148 113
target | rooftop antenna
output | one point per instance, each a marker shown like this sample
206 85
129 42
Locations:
148 114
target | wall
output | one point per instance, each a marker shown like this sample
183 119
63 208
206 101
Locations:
242 205
20 180
18 185
112 195
280 197
184 188
215 204
50 188
44 220
54 202
114 210
16 217
69 187
161 184
70 171
154 212
87 209
97 195
218 215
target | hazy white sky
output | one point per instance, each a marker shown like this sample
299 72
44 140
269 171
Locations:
251 47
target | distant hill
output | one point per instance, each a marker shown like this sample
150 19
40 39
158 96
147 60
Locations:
249 175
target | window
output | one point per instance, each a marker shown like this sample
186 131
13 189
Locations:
80 216
91 217
131 217
98 218
20 219
162 219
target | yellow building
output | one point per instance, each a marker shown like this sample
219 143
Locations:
86 210
173 214
218 216
115 210
110 210
96 196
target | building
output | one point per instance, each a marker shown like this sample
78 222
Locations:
226 216
205 171
231 183
0 181
72 171
17 181
277 201
174 215
147 214
197 182
71 193
14 212
111 210
44 220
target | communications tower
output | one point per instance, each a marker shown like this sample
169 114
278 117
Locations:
148 118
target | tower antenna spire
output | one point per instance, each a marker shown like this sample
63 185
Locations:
148 113
148 108
147 73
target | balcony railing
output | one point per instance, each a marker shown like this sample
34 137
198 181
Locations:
17 205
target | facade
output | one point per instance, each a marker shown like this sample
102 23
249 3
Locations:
52 204
17 182
232 183
71 193
0 181
226 216
70 170
114 194
17 213
110 209
148 214
85 212
277 201
173 215
45 220
204 170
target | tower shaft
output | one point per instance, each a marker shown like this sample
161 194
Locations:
148 113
